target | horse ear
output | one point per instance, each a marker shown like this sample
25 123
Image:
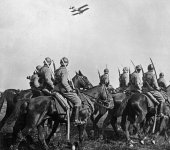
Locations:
80 73
76 73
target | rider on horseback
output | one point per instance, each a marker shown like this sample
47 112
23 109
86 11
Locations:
161 81
151 85
124 79
135 81
104 80
62 85
46 76
34 79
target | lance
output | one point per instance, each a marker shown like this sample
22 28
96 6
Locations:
68 75
54 65
118 71
129 74
142 70
154 68
99 74
154 125
133 63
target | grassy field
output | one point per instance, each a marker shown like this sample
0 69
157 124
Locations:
113 142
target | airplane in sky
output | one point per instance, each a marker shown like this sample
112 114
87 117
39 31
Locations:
79 10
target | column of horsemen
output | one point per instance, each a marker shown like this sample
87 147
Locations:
45 80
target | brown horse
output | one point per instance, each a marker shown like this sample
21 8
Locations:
8 96
12 113
113 114
43 107
15 99
137 113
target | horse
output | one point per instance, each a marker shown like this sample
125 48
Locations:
120 100
43 107
13 104
8 96
137 113
80 81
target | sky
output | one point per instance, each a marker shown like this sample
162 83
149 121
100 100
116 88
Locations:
111 33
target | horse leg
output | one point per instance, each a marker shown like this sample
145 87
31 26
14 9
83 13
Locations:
127 124
139 120
114 125
21 135
106 123
95 126
81 129
55 126
7 115
41 136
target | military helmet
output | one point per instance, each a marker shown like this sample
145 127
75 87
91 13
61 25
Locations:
64 60
106 70
150 67
47 60
125 69
38 67
138 67
161 74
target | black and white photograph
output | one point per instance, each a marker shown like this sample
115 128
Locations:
85 75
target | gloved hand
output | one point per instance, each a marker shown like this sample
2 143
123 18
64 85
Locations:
73 91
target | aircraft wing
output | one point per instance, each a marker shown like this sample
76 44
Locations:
74 10
75 14
84 10
82 7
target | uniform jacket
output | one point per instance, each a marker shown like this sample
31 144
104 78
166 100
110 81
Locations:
46 75
104 79
162 83
136 84
61 80
124 80
150 82
34 81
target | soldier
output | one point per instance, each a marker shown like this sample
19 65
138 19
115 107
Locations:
46 75
161 81
124 79
104 79
62 86
135 81
34 79
151 85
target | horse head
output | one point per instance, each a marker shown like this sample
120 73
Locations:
81 81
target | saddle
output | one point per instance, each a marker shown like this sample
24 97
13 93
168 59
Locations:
62 105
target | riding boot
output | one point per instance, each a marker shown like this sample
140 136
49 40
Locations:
160 109
77 109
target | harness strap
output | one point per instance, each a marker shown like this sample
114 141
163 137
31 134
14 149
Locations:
95 101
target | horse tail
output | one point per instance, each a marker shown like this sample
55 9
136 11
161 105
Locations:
2 99
122 107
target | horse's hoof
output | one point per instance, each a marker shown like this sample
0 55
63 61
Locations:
13 147
153 142
142 142
131 145
73 147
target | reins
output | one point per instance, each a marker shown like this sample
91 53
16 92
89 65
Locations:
94 100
